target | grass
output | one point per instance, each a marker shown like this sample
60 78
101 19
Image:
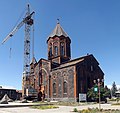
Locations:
61 103
112 99
68 103
116 104
96 110
43 107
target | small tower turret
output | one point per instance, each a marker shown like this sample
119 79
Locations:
59 45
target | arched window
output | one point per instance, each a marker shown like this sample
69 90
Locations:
65 87
54 88
62 49
50 52
56 50
39 79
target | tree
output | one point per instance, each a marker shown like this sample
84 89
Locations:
113 89
107 92
94 96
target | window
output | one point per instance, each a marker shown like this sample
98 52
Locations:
91 68
56 50
62 49
0 92
65 87
39 80
32 70
54 88
50 52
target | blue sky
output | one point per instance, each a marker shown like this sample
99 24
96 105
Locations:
92 25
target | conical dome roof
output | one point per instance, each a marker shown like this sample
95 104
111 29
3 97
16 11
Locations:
58 31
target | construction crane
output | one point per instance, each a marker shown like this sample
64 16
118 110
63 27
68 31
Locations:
28 22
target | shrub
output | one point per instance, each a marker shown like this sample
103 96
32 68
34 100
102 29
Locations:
75 110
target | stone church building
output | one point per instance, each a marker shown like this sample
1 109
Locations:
59 77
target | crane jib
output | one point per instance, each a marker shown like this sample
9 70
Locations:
26 20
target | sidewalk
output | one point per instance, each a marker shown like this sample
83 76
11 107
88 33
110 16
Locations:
62 109
17 104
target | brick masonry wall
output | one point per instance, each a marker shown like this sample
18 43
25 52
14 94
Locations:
59 77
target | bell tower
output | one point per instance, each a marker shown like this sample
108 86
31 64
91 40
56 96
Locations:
59 45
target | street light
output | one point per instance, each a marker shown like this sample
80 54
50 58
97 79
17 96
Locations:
99 83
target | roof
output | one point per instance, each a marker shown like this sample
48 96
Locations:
43 59
69 63
75 61
5 88
33 61
58 31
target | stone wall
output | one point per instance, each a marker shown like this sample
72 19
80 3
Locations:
64 81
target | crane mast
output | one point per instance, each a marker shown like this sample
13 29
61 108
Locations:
28 23
26 68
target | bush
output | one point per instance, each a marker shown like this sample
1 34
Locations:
84 111
118 99
75 110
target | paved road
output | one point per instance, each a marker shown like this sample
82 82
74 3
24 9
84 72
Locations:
61 109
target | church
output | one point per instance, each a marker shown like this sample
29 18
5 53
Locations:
59 77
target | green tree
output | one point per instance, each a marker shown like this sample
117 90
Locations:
113 89
107 92
94 95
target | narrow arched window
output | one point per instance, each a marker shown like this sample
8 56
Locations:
56 50
50 52
54 88
62 49
65 87
39 79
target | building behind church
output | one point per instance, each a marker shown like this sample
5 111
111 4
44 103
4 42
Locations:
11 93
59 77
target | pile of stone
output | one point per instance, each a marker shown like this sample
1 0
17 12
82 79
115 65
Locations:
5 99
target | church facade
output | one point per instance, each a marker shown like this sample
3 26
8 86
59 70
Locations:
59 77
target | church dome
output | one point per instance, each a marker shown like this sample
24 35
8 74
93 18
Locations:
58 31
